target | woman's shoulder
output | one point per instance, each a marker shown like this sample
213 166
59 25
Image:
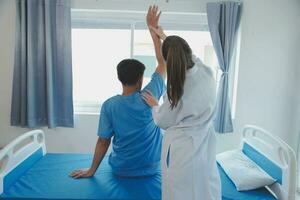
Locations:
196 60
208 70
203 68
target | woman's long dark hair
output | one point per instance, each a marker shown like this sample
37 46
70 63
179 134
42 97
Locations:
178 56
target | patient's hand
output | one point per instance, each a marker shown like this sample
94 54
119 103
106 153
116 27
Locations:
153 16
82 173
149 98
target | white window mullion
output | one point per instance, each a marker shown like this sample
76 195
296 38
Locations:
132 40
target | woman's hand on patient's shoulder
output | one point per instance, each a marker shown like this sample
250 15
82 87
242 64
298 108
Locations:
149 98
82 173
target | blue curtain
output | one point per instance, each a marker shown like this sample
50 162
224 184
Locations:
42 80
223 21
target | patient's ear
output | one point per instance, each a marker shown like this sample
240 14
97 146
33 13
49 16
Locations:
140 82
141 79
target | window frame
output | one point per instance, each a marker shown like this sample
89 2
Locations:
135 20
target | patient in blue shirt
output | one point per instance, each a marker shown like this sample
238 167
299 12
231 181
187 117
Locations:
127 120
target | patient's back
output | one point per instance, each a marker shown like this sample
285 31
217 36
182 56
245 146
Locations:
137 140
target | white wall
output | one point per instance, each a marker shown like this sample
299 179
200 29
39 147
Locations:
268 64
297 98
266 93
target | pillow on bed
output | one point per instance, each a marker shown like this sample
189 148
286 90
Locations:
243 172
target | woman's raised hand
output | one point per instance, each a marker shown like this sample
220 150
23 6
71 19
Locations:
153 16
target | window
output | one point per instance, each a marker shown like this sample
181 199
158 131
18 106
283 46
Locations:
96 53
99 45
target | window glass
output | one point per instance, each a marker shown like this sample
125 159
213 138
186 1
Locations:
95 54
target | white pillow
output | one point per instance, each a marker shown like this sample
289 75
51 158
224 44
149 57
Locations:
244 173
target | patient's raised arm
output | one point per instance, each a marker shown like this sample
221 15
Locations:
152 22
159 31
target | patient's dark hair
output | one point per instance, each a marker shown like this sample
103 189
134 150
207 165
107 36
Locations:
178 56
130 71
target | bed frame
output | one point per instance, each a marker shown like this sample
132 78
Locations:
274 156
269 152
12 156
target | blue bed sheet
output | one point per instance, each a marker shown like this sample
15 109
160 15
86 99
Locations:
48 179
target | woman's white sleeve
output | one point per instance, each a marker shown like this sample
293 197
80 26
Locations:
196 60
163 115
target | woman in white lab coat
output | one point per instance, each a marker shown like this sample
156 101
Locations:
189 169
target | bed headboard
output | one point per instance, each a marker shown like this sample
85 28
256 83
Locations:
275 157
20 155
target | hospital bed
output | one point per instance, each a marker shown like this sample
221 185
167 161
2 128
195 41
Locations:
272 155
28 172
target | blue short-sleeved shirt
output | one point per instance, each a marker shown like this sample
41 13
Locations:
137 140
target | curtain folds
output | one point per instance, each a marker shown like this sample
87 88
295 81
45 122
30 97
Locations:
223 22
42 80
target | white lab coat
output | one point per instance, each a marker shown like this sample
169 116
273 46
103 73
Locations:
189 170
